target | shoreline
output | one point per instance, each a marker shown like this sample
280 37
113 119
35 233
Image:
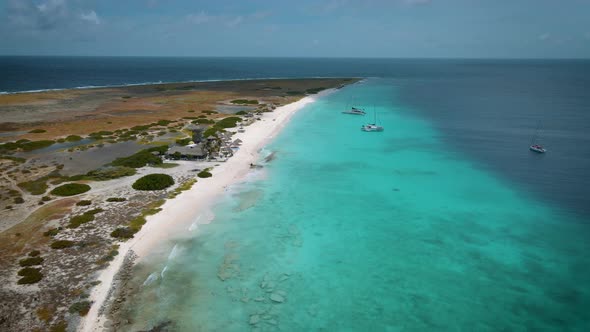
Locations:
178 214
125 85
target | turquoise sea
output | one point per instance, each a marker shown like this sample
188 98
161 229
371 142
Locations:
351 231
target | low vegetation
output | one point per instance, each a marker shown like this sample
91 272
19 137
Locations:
116 199
31 261
204 174
142 158
244 102
203 121
37 131
87 216
62 244
109 173
70 189
84 203
29 275
153 182
229 122
73 138
81 308
136 223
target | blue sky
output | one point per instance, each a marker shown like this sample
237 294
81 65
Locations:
332 28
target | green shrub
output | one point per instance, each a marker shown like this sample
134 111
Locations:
244 102
62 244
293 93
184 141
122 233
84 203
15 159
116 199
153 182
204 174
211 131
136 223
228 122
141 158
46 198
70 189
241 113
73 138
31 261
109 173
52 232
78 220
18 200
34 145
164 122
81 308
37 131
203 121
34 253
29 276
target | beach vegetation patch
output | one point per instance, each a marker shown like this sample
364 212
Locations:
154 181
34 145
61 326
62 244
73 138
19 200
203 121
294 93
122 233
52 232
34 253
204 174
142 158
84 203
35 187
37 131
164 122
244 102
241 113
109 173
29 275
210 112
116 199
70 189
31 261
81 308
230 122
15 159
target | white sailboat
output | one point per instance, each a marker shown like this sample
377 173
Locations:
372 126
536 147
354 110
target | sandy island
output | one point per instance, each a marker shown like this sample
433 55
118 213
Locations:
178 214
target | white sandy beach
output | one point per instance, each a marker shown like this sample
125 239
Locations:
178 214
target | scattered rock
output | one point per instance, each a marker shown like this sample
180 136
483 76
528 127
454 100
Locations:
277 298
254 319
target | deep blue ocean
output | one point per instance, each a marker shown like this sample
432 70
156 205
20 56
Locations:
443 222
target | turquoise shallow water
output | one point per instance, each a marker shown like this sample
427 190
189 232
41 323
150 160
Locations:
354 231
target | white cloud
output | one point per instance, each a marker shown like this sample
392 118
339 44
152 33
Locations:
90 17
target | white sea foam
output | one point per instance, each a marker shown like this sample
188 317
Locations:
150 279
163 271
